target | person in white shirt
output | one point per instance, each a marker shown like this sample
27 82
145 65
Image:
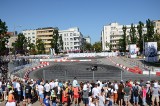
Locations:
47 88
52 84
95 91
56 83
40 91
75 83
18 87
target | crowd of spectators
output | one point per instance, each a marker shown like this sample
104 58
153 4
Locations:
68 93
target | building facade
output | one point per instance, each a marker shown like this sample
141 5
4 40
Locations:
46 35
157 25
30 35
72 39
88 39
111 34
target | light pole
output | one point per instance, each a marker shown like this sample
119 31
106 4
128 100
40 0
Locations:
143 51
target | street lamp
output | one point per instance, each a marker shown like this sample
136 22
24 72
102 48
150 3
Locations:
143 51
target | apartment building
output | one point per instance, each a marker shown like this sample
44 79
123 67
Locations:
72 39
112 33
157 25
87 39
30 35
46 35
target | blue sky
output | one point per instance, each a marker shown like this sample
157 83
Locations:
89 15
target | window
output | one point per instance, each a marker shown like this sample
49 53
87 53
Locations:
28 33
33 36
70 34
71 38
33 33
33 40
24 33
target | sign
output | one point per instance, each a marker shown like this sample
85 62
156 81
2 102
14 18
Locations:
151 52
133 50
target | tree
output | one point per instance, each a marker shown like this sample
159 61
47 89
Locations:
140 38
157 39
54 41
87 46
133 34
97 46
20 44
40 46
124 39
60 43
109 45
150 30
120 44
3 38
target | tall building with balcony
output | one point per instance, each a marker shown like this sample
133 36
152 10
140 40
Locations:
30 35
46 35
157 25
72 39
111 34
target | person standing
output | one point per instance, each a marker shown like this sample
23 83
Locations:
76 94
85 95
127 94
41 92
47 88
143 95
135 92
28 94
18 87
75 82
155 94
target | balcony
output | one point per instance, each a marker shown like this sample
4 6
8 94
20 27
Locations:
45 33
45 37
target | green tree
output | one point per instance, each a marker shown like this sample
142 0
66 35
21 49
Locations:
97 46
150 31
133 37
20 44
120 44
157 39
3 38
87 46
54 41
60 43
124 43
140 38
109 45
40 46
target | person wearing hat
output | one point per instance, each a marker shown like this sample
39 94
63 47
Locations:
155 94
11 100
85 95
76 95
41 92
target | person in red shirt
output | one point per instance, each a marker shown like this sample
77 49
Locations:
76 94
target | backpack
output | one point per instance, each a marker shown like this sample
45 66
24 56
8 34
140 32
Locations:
135 91
109 93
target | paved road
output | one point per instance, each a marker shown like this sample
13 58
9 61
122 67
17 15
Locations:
68 70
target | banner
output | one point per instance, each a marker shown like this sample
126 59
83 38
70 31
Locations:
151 52
133 50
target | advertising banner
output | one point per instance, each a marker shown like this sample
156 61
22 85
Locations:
151 52
132 50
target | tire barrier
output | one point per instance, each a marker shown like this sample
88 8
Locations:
42 64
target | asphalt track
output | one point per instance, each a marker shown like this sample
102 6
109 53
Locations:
106 70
